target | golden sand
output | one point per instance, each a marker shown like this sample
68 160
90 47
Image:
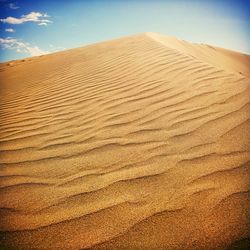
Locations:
136 143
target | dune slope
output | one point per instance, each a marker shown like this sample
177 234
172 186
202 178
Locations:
136 143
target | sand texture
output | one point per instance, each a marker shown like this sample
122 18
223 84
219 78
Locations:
136 143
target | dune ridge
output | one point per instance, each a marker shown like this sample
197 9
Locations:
136 143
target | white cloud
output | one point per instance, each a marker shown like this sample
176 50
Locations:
37 17
56 48
43 24
11 20
36 51
21 47
10 30
13 6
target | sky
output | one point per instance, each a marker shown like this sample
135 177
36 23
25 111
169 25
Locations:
35 27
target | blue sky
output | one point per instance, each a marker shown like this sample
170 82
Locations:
34 27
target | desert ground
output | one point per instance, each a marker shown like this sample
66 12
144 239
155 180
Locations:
136 143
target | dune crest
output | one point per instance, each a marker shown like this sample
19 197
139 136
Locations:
136 143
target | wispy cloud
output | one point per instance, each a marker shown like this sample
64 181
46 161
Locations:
43 24
36 17
13 6
10 30
56 48
21 47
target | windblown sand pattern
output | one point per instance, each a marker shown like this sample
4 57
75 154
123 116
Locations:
136 143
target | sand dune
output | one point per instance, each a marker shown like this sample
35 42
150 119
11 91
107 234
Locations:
136 143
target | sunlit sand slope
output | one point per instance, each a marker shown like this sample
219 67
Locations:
136 143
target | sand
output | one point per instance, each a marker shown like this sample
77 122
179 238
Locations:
136 143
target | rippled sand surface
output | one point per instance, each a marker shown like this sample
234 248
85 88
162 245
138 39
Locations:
136 143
